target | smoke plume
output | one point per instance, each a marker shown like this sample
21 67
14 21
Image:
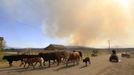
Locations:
89 22
82 22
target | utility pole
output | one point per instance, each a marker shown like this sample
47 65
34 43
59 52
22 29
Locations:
109 44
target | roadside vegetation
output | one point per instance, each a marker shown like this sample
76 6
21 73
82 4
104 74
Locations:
2 54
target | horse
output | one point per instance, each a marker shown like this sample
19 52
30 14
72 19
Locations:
73 57
86 60
32 62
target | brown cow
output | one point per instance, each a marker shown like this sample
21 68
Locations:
125 55
32 62
73 57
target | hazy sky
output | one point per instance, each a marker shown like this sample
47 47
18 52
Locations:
37 23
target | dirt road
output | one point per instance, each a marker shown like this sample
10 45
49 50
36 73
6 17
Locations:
100 66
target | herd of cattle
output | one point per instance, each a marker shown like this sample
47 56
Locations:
55 57
42 58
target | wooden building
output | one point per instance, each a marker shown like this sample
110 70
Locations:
55 47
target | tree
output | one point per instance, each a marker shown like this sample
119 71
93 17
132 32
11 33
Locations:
2 43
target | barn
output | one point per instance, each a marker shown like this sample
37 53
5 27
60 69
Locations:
55 47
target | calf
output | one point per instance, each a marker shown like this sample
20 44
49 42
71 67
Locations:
31 61
86 60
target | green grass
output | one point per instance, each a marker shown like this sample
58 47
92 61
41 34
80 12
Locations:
88 53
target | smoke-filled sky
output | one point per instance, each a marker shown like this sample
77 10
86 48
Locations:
36 23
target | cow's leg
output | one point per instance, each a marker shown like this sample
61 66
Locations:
25 63
22 62
41 61
89 62
33 65
74 60
58 62
44 63
86 63
28 66
54 62
10 63
77 62
67 63
41 64
49 63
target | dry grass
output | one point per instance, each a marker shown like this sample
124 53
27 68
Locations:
100 66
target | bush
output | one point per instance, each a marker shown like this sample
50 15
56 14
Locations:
2 54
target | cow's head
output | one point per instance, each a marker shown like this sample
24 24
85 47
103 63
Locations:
5 57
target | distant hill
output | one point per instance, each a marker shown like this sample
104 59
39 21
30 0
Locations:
68 48
78 48
20 49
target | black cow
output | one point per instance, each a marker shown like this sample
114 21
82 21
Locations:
52 56
12 58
